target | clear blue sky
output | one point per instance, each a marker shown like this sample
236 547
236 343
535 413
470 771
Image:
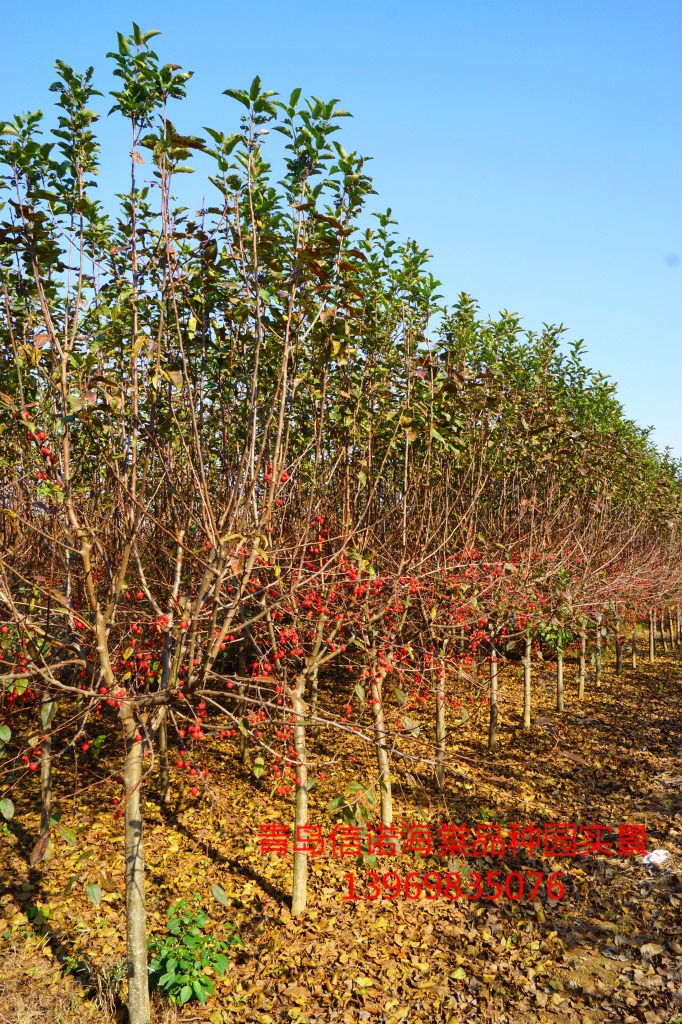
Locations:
533 147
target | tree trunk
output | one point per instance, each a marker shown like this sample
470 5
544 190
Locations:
380 743
652 635
136 913
526 683
661 629
243 736
619 657
440 729
493 727
299 891
634 648
164 777
560 681
314 688
47 712
597 653
673 645
581 667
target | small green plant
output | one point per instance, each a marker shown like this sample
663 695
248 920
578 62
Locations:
181 958
356 805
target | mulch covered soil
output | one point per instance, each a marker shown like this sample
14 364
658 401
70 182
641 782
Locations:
609 950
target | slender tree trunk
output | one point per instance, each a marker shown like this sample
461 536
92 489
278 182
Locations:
634 648
671 630
526 683
679 625
652 635
243 737
381 746
619 657
581 667
299 891
136 913
314 688
493 726
164 777
440 729
47 713
560 681
597 653
661 628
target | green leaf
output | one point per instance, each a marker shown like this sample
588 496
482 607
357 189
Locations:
258 767
7 808
220 963
359 691
5 733
94 893
199 991
219 895
410 726
185 994
67 835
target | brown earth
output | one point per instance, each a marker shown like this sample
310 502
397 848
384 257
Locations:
610 950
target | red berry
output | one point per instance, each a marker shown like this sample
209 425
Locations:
33 766
194 790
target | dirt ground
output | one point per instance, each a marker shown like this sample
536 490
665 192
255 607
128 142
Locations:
609 950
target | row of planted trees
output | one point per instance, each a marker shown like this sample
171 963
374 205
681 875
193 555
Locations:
258 480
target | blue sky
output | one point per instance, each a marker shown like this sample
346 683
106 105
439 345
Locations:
534 148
